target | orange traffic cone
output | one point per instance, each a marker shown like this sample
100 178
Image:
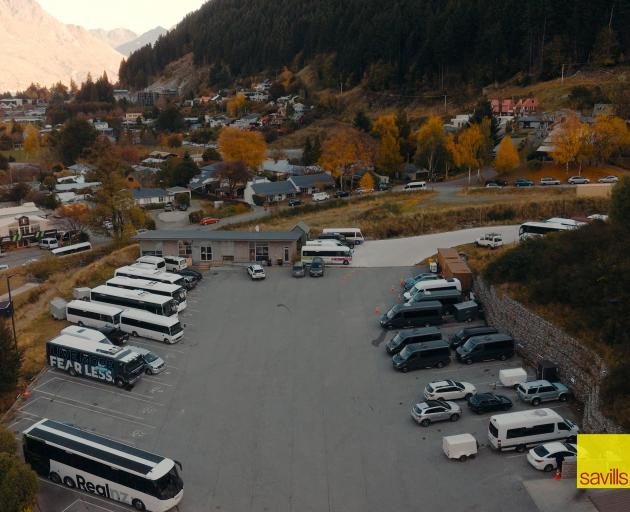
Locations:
377 311
26 393
557 475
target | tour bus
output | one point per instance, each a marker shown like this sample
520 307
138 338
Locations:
571 223
175 292
136 299
154 262
134 272
89 358
329 253
533 229
86 334
518 430
72 249
98 465
94 315
415 185
319 243
154 327
352 235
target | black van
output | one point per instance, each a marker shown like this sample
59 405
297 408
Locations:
446 297
422 355
484 348
461 337
409 336
413 315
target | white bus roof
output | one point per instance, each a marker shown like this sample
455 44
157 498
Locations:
143 284
139 314
326 247
93 307
546 224
339 230
149 273
68 248
142 295
150 259
524 418
97 447
566 222
84 333
94 347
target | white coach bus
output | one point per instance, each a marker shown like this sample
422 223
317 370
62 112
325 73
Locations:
101 466
134 272
534 229
71 249
175 292
331 254
135 299
90 314
153 327
353 235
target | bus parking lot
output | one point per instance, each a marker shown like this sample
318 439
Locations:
281 397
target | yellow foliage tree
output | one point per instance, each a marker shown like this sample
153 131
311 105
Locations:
31 140
430 142
608 137
367 181
345 148
388 157
507 156
235 105
468 149
244 146
569 141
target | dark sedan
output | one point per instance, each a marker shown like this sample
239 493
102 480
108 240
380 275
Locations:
489 402
522 182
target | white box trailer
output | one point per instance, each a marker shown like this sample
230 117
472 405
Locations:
461 446
512 377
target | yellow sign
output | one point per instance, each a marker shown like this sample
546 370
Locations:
603 461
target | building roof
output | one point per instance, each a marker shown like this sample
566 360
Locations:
220 236
280 166
177 190
273 187
310 180
147 193
19 211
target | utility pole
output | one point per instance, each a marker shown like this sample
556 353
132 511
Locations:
562 79
12 311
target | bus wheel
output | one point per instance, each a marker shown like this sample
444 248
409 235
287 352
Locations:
72 372
346 262
119 382
148 371
138 505
520 448
166 341
81 323
68 482
134 334
55 478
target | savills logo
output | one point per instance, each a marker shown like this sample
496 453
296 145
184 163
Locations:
603 461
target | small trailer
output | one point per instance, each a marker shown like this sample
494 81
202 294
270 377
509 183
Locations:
460 447
512 377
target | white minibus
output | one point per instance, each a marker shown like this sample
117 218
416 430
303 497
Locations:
534 229
135 299
153 327
175 263
86 334
353 235
331 254
72 249
48 243
415 185
434 285
154 262
138 272
518 430
91 314
175 292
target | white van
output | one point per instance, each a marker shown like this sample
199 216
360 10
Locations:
352 235
48 243
321 196
154 262
434 285
415 185
148 325
175 263
518 430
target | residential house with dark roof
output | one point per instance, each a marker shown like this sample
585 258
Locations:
309 183
271 191
149 196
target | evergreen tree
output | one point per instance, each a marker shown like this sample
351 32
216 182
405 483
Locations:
10 359
362 122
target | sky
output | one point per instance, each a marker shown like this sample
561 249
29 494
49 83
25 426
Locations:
136 15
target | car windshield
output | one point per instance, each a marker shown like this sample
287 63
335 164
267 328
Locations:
391 313
541 451
396 340
469 346
169 485
458 336
170 308
259 271
177 328
405 352
149 357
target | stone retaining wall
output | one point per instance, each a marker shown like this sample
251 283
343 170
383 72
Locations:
580 367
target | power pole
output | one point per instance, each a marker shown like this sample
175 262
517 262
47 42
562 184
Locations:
12 310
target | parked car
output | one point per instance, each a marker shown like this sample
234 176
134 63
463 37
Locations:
409 336
4 266
107 224
48 243
182 207
489 402
168 207
410 282
206 221
537 391
190 272
342 193
422 355
549 181
294 202
608 179
336 236
116 336
492 184
364 190
522 182
316 268
449 390
461 337
431 411
383 187
486 348
496 183
256 272
154 363
492 240
578 180
544 457
320 196
298 269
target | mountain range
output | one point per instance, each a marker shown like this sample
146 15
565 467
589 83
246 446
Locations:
149 37
114 37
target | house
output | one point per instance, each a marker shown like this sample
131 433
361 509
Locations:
103 128
280 167
172 192
530 122
502 106
122 94
459 121
248 121
80 169
217 121
270 191
263 86
310 183
206 180
67 197
256 96
24 225
527 106
223 247
132 117
150 196
70 183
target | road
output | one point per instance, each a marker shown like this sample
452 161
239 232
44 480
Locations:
405 252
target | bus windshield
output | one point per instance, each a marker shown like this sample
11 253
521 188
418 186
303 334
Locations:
169 485
176 329
132 366
170 308
180 296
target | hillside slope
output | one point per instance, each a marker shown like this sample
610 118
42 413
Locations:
149 37
36 47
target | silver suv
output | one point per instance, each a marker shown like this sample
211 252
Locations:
430 411
537 391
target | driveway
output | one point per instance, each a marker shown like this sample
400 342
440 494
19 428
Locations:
405 252
177 219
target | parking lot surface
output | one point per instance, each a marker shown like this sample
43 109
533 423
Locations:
281 398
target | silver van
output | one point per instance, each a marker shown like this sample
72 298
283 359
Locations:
48 243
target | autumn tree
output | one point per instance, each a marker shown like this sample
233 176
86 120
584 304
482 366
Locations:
31 140
344 149
609 136
75 217
507 156
431 148
569 141
388 157
233 173
367 182
248 147
235 105
467 149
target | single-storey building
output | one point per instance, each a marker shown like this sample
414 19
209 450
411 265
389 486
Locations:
219 247
309 183
271 191
148 196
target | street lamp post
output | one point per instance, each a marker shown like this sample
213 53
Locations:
12 309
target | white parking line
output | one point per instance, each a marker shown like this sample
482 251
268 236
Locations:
156 381
163 346
71 505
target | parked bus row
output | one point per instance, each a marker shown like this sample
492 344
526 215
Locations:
334 246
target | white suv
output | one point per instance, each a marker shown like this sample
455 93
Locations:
492 240
256 272
449 390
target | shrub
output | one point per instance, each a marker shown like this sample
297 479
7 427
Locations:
18 484
196 216
43 269
501 212
7 441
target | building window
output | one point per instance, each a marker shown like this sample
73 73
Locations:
258 251
286 254
206 253
185 248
